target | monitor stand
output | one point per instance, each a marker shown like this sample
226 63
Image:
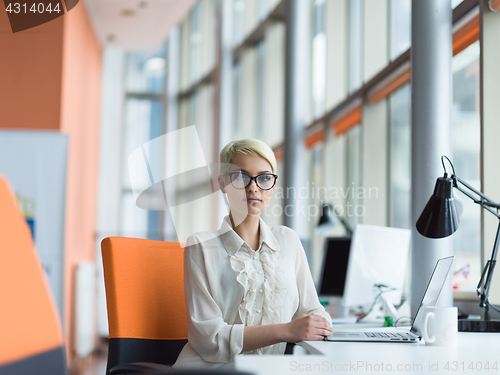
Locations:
381 310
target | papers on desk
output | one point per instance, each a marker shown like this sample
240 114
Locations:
348 320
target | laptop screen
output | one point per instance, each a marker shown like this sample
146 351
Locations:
432 292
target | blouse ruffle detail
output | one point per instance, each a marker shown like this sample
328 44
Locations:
273 287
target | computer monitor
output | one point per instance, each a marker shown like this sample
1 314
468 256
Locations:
333 272
378 256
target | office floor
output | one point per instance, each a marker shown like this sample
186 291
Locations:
95 364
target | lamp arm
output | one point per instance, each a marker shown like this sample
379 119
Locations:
483 290
485 202
483 287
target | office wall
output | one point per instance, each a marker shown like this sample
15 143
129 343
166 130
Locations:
51 79
30 75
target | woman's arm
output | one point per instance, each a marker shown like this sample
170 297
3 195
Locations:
308 297
209 335
310 327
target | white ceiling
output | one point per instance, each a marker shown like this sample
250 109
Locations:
136 24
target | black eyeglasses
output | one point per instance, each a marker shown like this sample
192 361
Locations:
241 180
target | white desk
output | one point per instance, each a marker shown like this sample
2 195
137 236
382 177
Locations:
474 350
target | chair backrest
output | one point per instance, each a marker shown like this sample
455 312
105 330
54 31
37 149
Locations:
145 300
31 339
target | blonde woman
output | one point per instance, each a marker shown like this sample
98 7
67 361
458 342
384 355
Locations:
248 286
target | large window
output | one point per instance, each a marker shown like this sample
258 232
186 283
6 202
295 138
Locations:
353 210
400 163
465 156
236 108
145 72
261 95
262 9
315 183
466 159
318 59
143 121
317 194
340 52
400 27
196 36
355 44
238 21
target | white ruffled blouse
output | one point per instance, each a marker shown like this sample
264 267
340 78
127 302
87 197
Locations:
228 286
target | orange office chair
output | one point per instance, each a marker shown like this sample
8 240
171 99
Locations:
147 316
31 339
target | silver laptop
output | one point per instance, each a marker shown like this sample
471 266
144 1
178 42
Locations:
413 335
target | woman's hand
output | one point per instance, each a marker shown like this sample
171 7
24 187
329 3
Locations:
308 327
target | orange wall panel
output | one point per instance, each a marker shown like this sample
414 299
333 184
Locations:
30 75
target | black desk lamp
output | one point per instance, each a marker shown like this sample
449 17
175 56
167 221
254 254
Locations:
440 219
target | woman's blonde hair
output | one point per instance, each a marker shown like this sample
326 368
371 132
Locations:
246 146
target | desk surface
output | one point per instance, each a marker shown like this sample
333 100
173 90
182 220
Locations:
475 353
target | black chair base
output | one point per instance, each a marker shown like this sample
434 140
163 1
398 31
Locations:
127 350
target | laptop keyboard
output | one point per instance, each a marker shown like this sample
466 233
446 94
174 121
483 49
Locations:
392 335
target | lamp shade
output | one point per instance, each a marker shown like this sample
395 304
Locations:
439 218
325 219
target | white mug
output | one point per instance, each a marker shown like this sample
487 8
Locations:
440 326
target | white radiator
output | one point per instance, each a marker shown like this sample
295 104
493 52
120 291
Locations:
84 309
